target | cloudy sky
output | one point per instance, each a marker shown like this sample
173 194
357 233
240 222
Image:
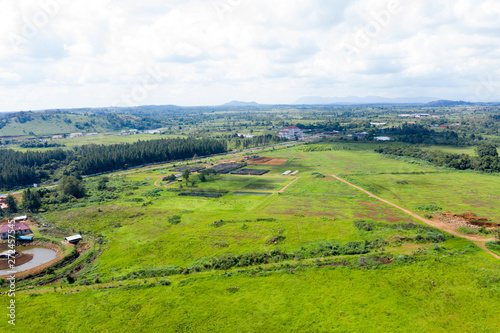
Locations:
87 53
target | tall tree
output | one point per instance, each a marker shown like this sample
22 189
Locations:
31 200
70 185
487 150
185 175
12 203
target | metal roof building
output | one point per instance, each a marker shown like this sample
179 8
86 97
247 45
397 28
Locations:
73 239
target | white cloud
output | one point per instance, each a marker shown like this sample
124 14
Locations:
89 53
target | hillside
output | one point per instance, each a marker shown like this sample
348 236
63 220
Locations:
49 123
306 252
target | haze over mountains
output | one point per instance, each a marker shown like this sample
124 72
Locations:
363 100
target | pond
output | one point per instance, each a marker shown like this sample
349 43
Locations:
41 256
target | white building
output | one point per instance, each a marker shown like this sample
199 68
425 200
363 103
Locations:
382 138
291 132
73 239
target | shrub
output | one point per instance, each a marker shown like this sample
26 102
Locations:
428 208
493 246
176 219
484 231
468 231
275 240
218 223
233 289
164 282
135 200
354 248
364 225
152 193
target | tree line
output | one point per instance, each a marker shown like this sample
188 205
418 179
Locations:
20 169
420 134
95 159
486 161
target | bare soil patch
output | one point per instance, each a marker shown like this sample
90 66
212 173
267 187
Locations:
20 259
268 161
375 210
466 220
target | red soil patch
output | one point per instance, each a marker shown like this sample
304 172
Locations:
466 220
375 210
268 161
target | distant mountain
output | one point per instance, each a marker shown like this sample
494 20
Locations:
311 100
445 103
239 103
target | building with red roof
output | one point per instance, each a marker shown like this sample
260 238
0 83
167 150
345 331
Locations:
22 227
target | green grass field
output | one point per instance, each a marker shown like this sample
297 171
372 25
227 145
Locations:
430 282
101 139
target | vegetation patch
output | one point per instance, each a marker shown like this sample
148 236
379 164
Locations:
176 219
428 208
153 192
494 246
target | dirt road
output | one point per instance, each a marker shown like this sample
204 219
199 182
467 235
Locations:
479 241
284 188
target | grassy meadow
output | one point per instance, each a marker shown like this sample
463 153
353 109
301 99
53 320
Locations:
335 259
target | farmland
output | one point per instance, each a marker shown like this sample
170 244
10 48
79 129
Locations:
313 253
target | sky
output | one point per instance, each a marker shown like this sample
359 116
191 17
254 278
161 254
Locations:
100 53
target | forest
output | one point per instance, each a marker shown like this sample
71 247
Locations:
26 168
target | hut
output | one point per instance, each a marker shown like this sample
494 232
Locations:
73 239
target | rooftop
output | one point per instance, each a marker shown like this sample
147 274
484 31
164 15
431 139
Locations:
19 226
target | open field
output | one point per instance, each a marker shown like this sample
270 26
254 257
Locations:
318 256
457 192
405 298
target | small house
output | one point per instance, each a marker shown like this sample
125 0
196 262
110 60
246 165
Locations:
22 228
20 218
73 239
286 173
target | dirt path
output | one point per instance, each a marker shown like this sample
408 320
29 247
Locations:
284 188
479 241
